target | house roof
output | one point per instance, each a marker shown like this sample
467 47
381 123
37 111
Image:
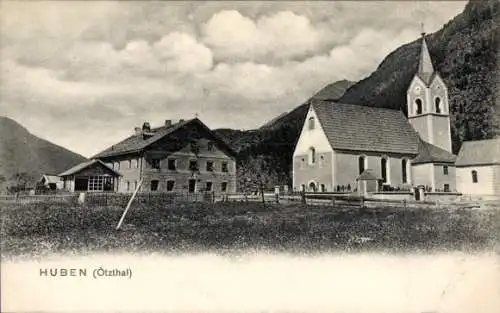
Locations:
79 167
429 153
367 175
479 152
51 178
363 128
137 143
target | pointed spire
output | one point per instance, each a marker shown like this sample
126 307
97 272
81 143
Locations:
425 68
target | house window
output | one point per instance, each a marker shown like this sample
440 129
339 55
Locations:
361 164
98 183
210 166
208 186
403 171
129 164
312 155
224 167
193 165
154 185
155 163
383 168
223 186
446 187
117 165
171 164
135 184
474 176
438 104
311 123
418 102
128 186
210 146
170 185
445 169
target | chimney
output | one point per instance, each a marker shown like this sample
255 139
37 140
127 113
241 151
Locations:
137 130
168 123
146 127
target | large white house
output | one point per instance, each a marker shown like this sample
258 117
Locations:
340 141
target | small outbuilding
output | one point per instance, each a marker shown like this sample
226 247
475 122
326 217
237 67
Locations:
478 168
367 182
51 182
91 176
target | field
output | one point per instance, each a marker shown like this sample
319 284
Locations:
43 228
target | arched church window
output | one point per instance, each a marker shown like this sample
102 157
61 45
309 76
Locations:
438 104
474 176
312 155
311 123
361 164
383 169
418 102
403 171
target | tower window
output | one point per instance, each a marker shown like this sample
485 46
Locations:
445 169
311 123
438 104
312 155
361 164
474 176
418 103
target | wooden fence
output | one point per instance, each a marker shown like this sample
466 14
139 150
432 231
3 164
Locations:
335 200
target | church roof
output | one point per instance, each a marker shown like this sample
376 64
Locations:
363 128
426 70
429 153
479 152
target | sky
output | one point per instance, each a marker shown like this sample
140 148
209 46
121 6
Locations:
84 74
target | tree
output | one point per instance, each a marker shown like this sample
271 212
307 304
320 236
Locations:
254 174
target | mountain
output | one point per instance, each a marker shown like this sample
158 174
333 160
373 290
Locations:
272 145
464 52
23 153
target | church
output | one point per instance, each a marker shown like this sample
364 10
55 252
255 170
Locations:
345 147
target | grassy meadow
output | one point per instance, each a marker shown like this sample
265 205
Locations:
45 228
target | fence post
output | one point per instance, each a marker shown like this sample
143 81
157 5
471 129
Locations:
128 205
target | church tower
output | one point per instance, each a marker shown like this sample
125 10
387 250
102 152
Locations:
427 100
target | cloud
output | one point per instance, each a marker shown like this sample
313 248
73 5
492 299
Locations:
104 67
280 36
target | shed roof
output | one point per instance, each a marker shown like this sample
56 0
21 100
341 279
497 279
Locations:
137 143
479 152
51 178
79 167
367 175
363 128
429 153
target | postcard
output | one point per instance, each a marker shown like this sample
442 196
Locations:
250 156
